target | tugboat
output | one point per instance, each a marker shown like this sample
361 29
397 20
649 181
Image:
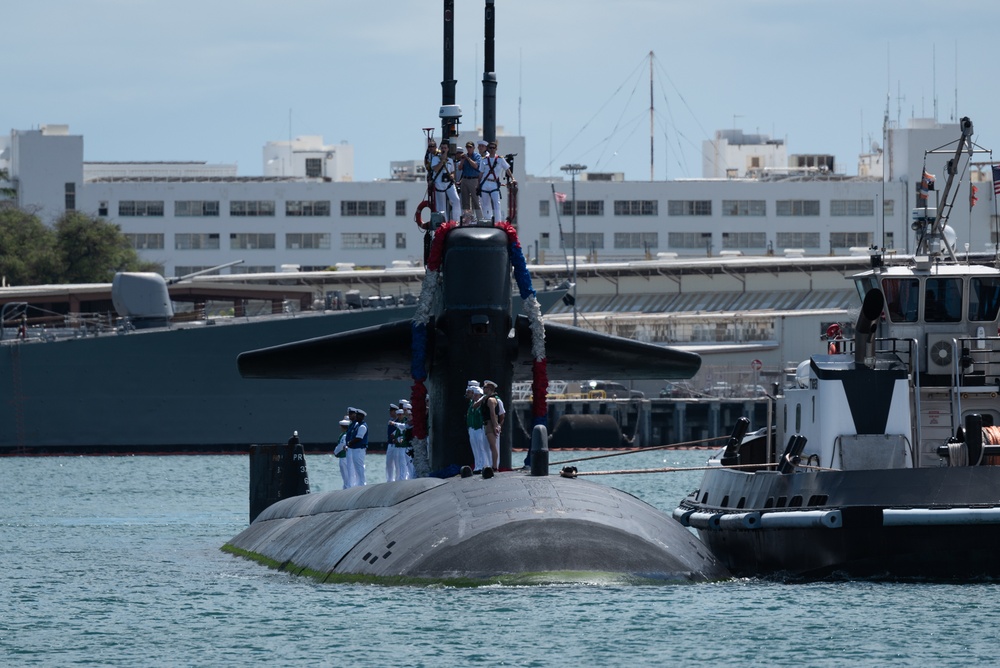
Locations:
883 459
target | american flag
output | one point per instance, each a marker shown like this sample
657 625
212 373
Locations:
561 197
996 179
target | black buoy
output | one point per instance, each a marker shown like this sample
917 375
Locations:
539 450
276 472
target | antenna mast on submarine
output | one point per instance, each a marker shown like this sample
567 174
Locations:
450 112
490 76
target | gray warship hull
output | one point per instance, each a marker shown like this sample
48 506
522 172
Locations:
176 389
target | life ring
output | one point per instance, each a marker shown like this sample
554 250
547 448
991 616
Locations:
418 219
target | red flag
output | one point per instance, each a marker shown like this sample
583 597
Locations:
996 179
560 197
972 196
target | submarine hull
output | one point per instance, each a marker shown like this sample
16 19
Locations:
512 528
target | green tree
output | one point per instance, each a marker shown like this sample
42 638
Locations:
7 192
28 254
93 249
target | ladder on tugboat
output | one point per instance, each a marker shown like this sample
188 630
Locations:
936 422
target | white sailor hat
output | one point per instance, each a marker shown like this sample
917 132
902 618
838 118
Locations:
489 383
352 409
345 423
477 390
399 411
405 404
473 383
482 142
393 407
360 412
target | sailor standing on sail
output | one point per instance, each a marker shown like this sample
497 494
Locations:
443 174
468 164
357 443
492 168
340 452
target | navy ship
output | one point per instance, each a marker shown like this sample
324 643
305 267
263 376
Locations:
883 459
449 525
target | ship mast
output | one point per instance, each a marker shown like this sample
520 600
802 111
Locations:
650 115
490 75
941 220
450 112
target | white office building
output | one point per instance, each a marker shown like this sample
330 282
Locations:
307 210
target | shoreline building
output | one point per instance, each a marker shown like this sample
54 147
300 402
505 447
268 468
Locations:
308 213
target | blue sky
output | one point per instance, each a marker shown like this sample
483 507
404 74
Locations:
214 80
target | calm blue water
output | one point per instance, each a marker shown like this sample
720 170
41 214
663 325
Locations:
115 561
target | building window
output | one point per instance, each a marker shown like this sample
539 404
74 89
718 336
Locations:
888 207
310 208
400 240
584 240
690 240
543 241
796 207
251 240
689 207
70 197
744 207
734 240
140 208
362 208
797 239
644 240
252 269
400 207
102 209
362 240
636 207
887 240
314 168
850 239
584 207
184 270
196 208
307 240
196 241
852 207
251 208
140 241
543 208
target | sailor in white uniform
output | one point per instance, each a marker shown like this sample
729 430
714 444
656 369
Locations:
445 192
492 169
340 452
357 444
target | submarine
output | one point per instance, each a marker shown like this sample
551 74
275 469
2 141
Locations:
447 525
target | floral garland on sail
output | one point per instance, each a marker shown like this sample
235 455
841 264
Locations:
430 292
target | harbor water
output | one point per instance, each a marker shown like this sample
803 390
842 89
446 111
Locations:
115 561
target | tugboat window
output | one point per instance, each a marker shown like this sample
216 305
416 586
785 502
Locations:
984 298
943 300
901 297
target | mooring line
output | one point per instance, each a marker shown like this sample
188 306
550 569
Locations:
636 450
571 472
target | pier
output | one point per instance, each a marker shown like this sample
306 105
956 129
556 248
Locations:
646 422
